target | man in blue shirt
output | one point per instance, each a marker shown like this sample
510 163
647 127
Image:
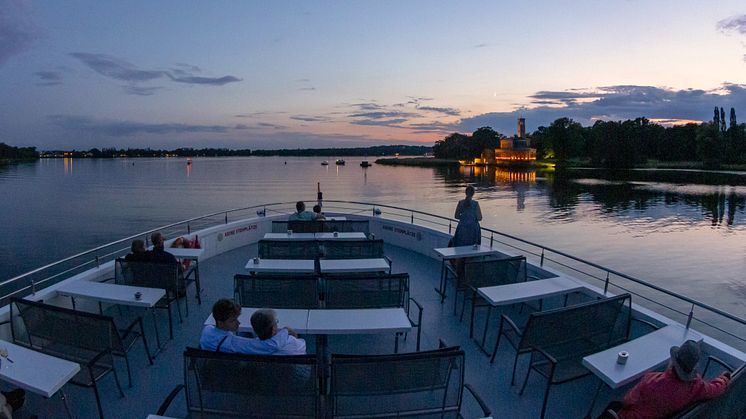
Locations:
301 214
270 339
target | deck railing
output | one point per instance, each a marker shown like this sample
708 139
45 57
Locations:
711 320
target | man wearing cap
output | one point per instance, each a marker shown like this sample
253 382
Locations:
661 394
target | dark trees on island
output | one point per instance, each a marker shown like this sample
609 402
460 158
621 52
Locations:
464 147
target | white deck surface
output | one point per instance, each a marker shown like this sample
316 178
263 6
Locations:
35 371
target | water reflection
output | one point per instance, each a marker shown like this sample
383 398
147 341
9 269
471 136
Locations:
67 163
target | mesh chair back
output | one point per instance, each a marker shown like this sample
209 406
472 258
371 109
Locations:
583 328
277 291
347 226
352 249
299 226
148 274
279 226
74 335
420 384
732 404
288 249
375 291
490 272
236 385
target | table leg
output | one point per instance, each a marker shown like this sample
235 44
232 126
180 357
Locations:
67 406
157 335
322 361
593 402
197 284
441 289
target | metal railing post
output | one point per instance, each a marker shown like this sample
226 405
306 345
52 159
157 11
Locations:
492 239
226 218
189 228
541 263
449 227
412 218
97 264
689 318
33 287
606 283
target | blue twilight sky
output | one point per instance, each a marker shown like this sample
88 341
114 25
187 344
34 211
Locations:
242 74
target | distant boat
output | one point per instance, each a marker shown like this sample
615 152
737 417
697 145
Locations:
365 164
339 162
325 163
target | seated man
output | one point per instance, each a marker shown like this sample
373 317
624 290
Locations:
138 252
159 253
269 341
662 394
301 214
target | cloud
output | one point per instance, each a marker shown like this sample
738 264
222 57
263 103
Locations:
612 103
307 88
311 118
214 81
384 114
241 126
141 91
129 128
446 111
269 125
17 30
481 45
393 122
367 106
49 78
735 23
115 68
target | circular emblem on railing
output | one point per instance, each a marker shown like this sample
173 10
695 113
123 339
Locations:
220 237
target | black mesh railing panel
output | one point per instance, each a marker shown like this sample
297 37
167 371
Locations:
148 274
251 386
347 226
305 226
421 384
366 292
288 249
277 291
352 249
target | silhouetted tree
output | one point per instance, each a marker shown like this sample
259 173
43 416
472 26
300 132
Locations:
733 122
716 117
722 120
564 138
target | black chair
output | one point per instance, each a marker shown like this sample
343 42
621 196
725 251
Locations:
153 275
92 340
276 291
420 384
352 249
299 226
559 339
219 385
375 291
288 249
732 404
347 226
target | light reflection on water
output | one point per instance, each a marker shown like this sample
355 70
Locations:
685 232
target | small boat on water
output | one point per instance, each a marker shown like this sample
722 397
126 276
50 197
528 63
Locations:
365 164
325 163
340 162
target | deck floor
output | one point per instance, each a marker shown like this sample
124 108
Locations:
151 384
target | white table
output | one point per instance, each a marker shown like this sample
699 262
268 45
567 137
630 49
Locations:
645 353
529 290
34 371
285 236
341 236
296 319
112 293
458 252
186 253
357 321
281 266
354 265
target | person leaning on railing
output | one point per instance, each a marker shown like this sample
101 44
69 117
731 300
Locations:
662 394
270 339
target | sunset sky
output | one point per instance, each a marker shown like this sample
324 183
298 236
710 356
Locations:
241 74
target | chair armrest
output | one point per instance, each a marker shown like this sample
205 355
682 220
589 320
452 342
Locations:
419 315
651 325
482 405
544 354
91 363
717 361
107 280
506 320
126 331
532 278
442 344
170 398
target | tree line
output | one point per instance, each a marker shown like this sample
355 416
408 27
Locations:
619 144
17 153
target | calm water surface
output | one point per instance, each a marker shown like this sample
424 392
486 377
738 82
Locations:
685 234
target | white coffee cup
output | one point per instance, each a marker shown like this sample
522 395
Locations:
290 232
622 357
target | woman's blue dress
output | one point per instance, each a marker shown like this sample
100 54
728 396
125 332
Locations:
468 231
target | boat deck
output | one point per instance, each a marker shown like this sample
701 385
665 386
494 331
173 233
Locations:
151 384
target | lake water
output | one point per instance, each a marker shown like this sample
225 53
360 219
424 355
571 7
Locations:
684 232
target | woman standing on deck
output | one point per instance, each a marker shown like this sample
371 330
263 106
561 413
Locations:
468 231
468 215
